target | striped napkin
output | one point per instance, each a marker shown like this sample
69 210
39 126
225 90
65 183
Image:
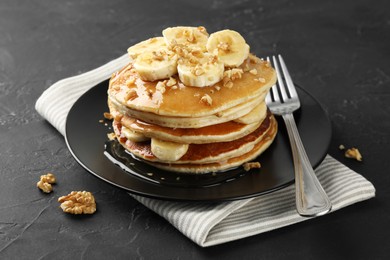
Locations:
206 223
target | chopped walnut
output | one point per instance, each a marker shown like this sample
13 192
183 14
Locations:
251 165
197 53
197 71
189 34
213 59
230 75
160 87
171 82
159 55
194 59
262 80
182 52
179 49
130 81
202 29
111 136
233 74
207 99
131 94
78 202
224 46
45 182
354 154
107 115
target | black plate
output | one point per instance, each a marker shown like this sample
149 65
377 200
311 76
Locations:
86 138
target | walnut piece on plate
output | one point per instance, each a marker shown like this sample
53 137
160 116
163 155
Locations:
78 202
251 165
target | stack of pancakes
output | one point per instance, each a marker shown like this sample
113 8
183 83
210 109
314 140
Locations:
182 128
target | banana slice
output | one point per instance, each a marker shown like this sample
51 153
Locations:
230 47
193 37
205 70
155 65
152 44
168 151
133 136
257 114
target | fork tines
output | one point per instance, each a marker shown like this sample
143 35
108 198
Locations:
279 92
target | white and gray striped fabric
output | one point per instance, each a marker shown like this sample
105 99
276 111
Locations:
205 223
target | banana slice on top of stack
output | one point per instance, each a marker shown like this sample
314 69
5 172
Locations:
192 102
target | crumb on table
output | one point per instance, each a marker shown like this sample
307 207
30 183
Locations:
353 153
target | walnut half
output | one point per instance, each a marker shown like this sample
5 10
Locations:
78 202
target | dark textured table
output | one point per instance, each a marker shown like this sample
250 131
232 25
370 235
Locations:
336 50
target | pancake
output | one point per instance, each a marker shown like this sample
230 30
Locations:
220 166
209 134
193 103
189 122
202 153
227 131
185 101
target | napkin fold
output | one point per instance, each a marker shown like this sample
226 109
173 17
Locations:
207 223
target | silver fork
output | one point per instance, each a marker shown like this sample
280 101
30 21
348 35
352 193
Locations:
311 199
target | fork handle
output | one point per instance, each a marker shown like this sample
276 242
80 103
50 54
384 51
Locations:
311 199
